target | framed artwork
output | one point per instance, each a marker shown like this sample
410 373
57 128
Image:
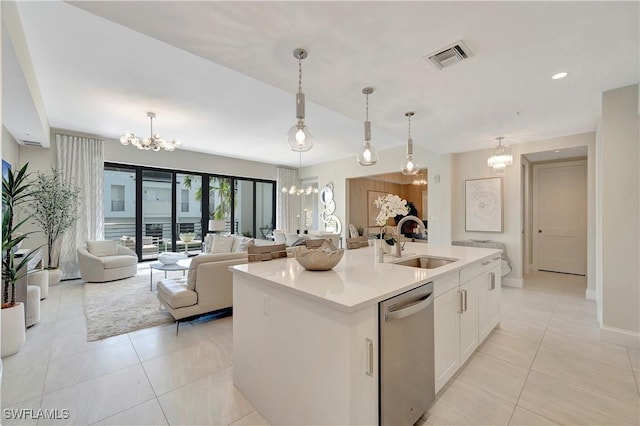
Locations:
483 205
372 210
5 169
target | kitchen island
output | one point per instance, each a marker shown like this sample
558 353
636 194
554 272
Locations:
305 347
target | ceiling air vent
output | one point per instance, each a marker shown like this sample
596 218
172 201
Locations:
32 143
449 55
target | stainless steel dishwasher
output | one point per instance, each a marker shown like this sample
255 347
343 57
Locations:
407 383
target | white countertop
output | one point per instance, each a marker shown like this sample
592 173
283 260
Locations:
359 280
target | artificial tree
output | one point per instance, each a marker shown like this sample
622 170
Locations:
55 209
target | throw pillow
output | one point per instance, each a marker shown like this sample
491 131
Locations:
242 244
103 248
222 244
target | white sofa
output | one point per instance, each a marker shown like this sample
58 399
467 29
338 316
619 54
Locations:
102 261
208 286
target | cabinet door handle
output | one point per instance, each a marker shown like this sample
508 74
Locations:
486 262
461 293
465 299
369 357
492 281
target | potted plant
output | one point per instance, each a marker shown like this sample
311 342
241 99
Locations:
55 211
15 191
390 206
220 212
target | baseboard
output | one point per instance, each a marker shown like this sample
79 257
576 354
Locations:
513 282
591 294
620 336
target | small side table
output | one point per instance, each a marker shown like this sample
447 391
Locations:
162 267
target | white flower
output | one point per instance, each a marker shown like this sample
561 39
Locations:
390 206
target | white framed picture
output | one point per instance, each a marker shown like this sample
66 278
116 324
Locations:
483 205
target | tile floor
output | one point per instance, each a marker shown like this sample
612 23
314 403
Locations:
546 364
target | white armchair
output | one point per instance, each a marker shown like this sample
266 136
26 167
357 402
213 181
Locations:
102 261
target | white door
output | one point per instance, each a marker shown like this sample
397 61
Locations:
560 217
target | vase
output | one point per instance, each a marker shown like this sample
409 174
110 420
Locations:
13 329
55 275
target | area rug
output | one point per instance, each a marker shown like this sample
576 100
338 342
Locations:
122 306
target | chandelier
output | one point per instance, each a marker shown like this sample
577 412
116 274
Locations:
421 180
367 155
299 136
294 190
153 142
500 157
410 167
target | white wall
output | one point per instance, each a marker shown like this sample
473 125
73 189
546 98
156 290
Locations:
389 161
473 165
10 149
620 209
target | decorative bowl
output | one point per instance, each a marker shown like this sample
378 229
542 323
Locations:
169 258
322 258
187 237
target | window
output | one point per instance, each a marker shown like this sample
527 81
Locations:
117 198
184 204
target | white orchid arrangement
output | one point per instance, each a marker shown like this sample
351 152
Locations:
390 206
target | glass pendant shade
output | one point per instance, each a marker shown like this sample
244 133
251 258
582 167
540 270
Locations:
500 157
300 137
367 155
410 167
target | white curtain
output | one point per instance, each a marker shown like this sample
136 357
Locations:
81 162
287 206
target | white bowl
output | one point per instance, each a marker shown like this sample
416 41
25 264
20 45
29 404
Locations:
169 258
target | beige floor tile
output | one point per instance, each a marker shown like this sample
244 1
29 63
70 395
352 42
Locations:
156 329
463 404
569 404
496 376
634 357
606 353
252 419
24 384
523 328
71 344
171 371
31 354
147 413
70 326
19 414
212 400
78 368
508 347
587 328
523 417
165 341
101 397
600 378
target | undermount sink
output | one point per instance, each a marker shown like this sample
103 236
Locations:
426 262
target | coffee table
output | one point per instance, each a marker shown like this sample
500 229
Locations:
162 267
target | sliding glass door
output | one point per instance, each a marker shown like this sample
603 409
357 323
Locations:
153 210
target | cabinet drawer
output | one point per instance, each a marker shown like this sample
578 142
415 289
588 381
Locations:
479 267
445 283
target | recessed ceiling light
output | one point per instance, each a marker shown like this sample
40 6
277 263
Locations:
559 75
557 150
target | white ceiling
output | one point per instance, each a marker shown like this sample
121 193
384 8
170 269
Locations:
221 75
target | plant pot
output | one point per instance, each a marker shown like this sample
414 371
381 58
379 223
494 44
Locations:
216 225
41 279
55 275
13 330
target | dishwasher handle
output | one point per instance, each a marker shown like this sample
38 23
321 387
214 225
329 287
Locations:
409 309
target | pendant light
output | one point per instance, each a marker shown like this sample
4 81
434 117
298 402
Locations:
500 157
300 137
367 155
410 167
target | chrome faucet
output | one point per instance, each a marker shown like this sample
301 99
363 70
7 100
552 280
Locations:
423 231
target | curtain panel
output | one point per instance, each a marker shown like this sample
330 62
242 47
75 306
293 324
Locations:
287 206
81 162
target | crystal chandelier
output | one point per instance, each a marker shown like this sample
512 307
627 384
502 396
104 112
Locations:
367 155
410 167
500 157
294 190
299 136
153 142
420 180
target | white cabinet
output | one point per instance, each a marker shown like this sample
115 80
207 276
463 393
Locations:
469 319
464 315
446 338
489 288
